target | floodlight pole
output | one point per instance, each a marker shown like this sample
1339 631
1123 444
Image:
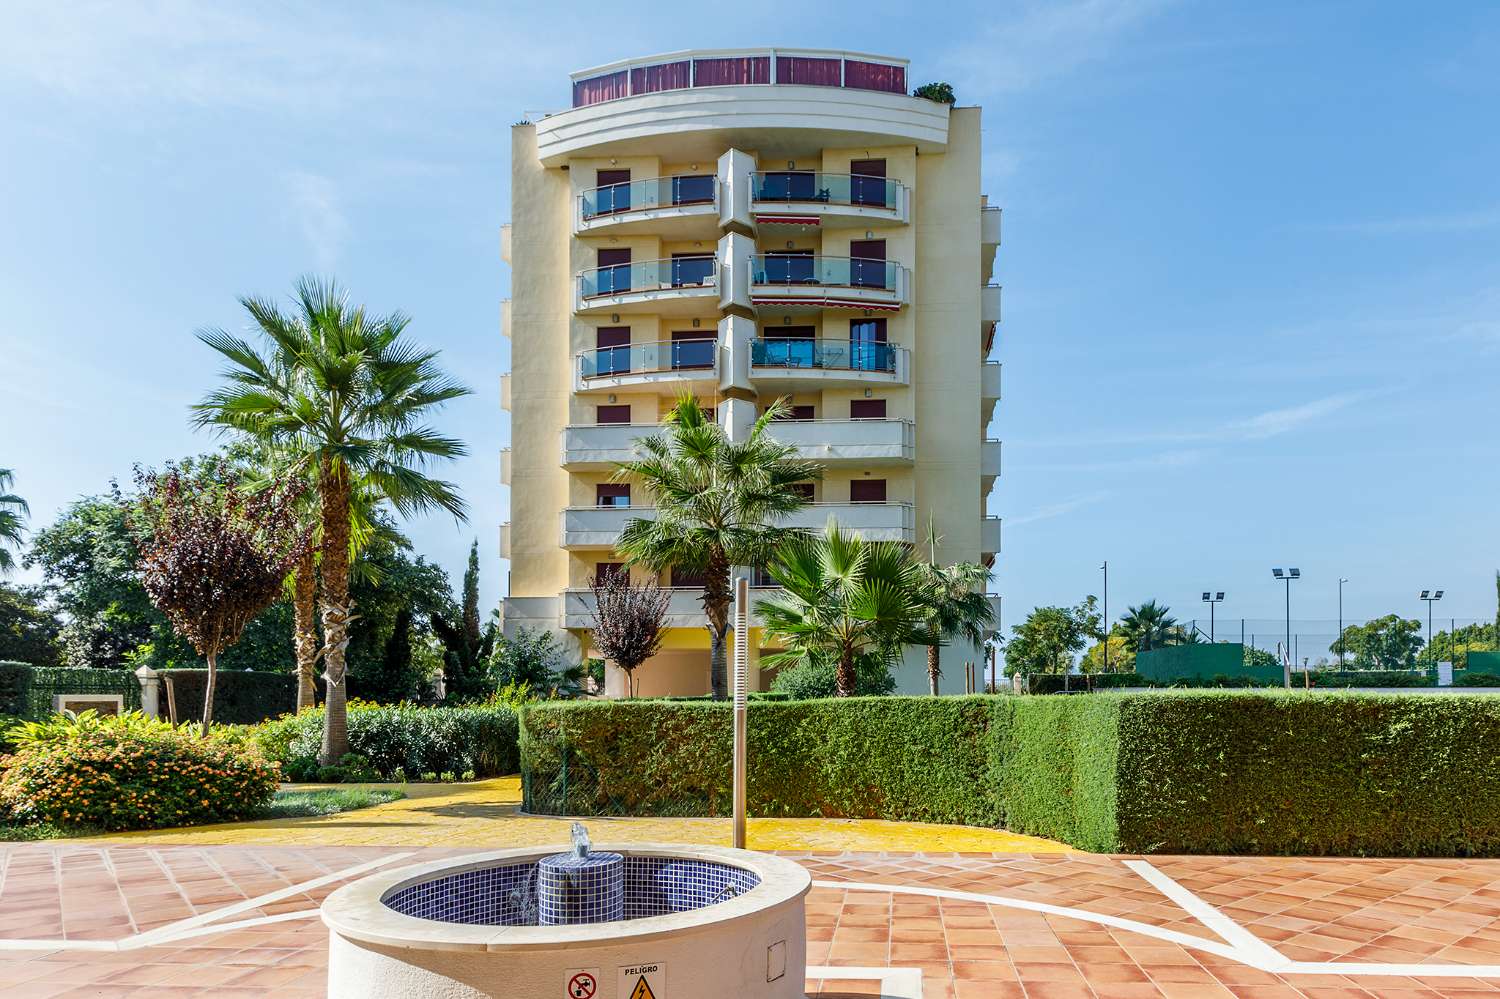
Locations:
1105 567
741 681
1342 581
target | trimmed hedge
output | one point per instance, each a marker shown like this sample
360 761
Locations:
401 741
26 691
1272 772
241 697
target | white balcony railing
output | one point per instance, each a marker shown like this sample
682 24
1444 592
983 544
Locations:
989 457
684 606
602 445
849 440
600 526
989 535
875 521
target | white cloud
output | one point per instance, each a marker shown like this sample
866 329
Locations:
1475 220
315 204
1274 422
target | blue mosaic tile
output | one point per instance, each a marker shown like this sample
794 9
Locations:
509 896
572 890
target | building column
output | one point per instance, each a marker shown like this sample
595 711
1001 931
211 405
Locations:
150 691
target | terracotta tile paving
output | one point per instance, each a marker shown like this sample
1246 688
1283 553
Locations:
1410 912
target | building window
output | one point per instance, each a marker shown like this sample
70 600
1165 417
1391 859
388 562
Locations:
692 269
804 490
613 354
691 189
612 193
613 273
798 413
868 350
866 409
693 349
612 494
607 570
612 414
867 491
867 185
867 263
685 578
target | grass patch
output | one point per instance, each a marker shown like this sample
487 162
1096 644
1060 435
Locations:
285 805
327 801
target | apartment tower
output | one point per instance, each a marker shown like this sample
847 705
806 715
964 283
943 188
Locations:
746 226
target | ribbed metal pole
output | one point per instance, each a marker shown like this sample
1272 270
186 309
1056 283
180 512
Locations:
741 683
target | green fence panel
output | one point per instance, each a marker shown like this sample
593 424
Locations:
1484 662
1202 662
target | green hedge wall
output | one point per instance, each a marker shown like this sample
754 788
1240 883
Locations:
26 691
1278 772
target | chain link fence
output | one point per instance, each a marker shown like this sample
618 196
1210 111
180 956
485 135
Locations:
1310 643
563 782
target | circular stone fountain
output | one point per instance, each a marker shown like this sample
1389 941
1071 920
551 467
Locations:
639 921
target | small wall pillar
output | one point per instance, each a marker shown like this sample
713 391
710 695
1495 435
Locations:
150 691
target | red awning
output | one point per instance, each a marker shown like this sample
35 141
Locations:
786 220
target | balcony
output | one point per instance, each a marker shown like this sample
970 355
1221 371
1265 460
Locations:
804 282
679 364
805 197
685 206
989 381
599 527
869 442
989 535
585 527
788 363
684 607
594 447
875 521
989 303
989 457
677 287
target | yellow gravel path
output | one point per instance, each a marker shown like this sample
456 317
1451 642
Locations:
488 814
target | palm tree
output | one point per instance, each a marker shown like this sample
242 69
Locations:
953 604
13 512
1149 626
344 389
842 598
717 502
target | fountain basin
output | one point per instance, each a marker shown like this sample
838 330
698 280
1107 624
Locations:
711 921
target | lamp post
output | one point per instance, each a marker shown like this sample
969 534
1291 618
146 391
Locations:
1431 597
1212 599
1287 577
1342 581
1105 567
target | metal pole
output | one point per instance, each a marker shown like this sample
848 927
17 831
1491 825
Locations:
1341 622
1105 567
1211 621
741 681
1287 649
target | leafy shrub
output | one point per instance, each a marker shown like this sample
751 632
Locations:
1368 678
129 772
940 92
26 691
399 741
1158 771
1477 680
810 680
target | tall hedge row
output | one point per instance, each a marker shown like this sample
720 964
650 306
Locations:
1171 771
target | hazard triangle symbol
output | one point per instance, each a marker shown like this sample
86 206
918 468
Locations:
642 990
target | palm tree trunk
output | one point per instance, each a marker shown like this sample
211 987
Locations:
844 676
333 487
716 606
305 630
934 666
208 694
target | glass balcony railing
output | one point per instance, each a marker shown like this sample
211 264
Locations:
838 272
833 355
649 275
638 195
807 186
646 358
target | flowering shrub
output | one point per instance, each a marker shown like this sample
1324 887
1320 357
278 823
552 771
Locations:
129 772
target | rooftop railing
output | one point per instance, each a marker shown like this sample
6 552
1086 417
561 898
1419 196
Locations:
739 67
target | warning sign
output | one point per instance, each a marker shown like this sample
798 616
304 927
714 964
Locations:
581 983
643 981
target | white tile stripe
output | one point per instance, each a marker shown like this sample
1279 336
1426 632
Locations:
1261 956
1266 956
895 983
199 925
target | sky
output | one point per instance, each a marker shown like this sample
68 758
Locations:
1251 256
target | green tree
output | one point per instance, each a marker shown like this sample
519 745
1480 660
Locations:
1150 626
28 626
469 646
953 603
717 502
1455 647
531 657
1386 643
1121 655
13 513
346 392
841 598
1050 637
804 681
